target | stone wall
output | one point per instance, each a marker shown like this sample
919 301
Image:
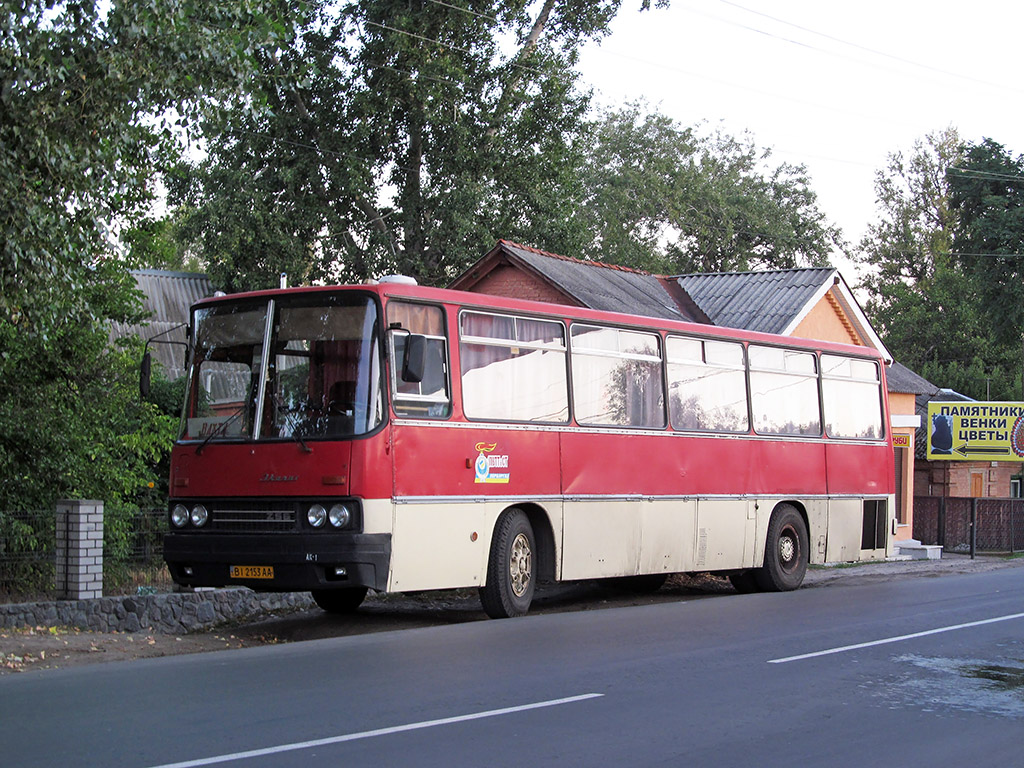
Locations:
172 613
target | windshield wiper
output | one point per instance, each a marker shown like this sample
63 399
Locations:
297 434
220 429
293 422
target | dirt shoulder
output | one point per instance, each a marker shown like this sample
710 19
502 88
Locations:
38 648
41 648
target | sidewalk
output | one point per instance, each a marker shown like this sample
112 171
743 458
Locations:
950 563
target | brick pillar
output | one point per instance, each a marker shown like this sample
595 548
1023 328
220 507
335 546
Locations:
79 549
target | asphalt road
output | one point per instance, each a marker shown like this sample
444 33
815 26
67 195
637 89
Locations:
936 676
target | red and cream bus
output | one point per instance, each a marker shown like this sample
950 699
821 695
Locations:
401 438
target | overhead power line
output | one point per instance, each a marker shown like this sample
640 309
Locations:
470 11
466 51
866 49
972 172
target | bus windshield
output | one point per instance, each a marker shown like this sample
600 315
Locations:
295 367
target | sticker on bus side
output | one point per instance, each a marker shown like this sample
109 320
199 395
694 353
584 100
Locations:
487 462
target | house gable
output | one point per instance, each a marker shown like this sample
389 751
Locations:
563 280
813 303
827 321
498 275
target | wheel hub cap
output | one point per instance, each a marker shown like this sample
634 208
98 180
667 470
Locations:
787 549
520 565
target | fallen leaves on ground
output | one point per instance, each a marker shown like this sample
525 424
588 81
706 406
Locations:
37 648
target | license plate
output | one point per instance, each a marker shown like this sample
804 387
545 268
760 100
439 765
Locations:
252 571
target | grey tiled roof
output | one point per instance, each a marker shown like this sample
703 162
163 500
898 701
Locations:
602 286
167 298
904 381
755 301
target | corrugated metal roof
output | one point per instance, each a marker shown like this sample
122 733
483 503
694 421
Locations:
167 298
602 286
755 301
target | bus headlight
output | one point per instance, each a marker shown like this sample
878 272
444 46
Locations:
199 515
179 516
340 516
316 515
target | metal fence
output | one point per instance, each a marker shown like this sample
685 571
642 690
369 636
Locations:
132 553
27 555
970 525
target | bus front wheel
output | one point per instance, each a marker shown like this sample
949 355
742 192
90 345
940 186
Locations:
511 568
785 552
339 600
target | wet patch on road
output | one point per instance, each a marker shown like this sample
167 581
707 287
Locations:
993 687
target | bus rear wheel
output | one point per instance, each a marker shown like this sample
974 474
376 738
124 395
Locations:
511 568
785 552
339 600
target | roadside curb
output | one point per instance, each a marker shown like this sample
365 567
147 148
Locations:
170 613
179 613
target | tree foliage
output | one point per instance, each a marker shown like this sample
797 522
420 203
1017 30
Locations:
987 195
665 198
401 137
940 265
71 423
85 93
83 125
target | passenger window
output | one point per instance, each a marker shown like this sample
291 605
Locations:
616 377
513 368
707 385
430 396
784 391
852 394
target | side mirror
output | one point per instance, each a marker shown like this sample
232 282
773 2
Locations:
414 361
144 374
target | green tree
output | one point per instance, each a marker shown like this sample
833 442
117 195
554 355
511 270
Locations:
155 243
85 124
987 194
71 422
399 137
661 197
931 294
89 94
911 278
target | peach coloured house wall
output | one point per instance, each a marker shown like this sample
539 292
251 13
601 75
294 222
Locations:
903 405
827 322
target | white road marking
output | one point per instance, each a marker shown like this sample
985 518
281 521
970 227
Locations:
887 640
378 732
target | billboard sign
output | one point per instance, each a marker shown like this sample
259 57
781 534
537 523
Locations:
972 431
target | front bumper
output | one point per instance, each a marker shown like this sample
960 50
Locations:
301 561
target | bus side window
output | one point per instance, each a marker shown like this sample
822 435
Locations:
617 378
707 383
424 392
513 368
852 394
784 391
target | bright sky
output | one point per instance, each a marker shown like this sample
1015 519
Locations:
835 86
